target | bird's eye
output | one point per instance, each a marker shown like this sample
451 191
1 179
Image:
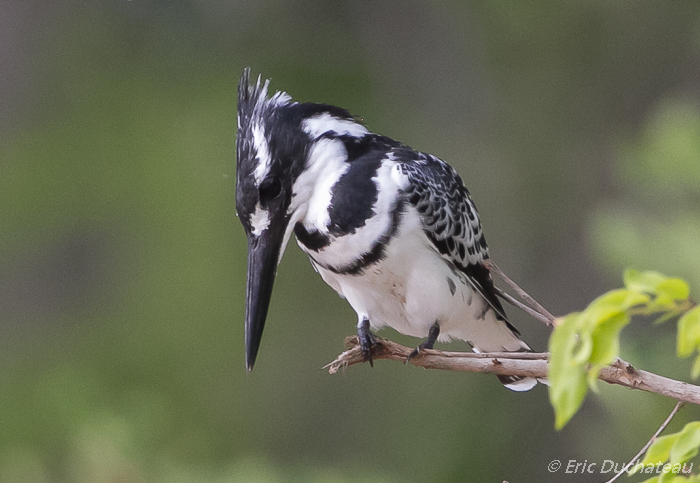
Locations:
269 189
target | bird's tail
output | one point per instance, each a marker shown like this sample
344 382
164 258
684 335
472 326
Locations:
504 337
518 383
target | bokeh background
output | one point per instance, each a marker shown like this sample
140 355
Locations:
576 126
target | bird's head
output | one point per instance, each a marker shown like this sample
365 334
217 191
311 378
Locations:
275 142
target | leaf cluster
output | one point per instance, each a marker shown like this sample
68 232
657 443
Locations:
584 342
668 455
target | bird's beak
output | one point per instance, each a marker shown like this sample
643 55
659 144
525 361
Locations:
263 255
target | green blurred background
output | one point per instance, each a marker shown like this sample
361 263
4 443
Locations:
576 126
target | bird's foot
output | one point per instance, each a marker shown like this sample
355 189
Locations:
367 341
428 343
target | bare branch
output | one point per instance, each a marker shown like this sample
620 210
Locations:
515 364
515 303
542 313
679 404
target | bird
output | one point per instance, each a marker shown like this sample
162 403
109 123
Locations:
392 230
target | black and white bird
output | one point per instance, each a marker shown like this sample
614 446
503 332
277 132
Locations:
392 230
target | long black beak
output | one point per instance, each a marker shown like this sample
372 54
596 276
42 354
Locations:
263 255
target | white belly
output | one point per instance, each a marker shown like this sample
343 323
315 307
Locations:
413 287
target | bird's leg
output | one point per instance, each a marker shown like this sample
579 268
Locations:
367 340
428 343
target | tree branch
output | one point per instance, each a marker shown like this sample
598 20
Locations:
533 307
514 364
528 310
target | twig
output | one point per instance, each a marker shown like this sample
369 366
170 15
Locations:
679 404
516 303
543 314
515 364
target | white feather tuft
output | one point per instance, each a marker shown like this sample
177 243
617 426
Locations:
263 154
312 189
259 220
524 384
320 124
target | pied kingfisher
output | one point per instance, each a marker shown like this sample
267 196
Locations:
394 231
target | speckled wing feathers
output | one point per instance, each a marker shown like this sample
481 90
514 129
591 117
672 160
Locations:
449 218
446 208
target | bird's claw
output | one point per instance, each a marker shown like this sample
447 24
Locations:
367 345
414 353
367 342
428 343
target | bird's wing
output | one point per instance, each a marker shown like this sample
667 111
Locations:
449 218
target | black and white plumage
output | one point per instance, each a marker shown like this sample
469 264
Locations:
392 230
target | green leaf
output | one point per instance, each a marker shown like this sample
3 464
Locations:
605 311
686 447
567 379
688 332
567 398
606 339
615 301
695 371
675 288
599 327
669 477
646 282
581 351
606 345
666 290
660 449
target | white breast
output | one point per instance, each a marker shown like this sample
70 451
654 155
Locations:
409 291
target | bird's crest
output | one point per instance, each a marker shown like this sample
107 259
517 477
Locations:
254 113
253 103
